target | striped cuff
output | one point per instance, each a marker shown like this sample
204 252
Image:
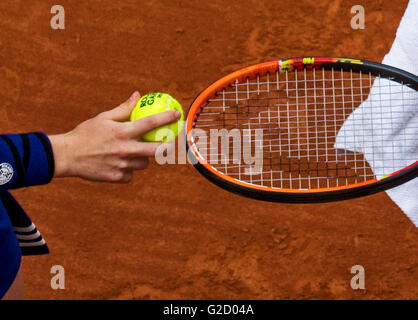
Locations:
30 240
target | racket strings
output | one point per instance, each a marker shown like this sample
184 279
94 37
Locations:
300 115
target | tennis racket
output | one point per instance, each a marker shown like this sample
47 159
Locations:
304 130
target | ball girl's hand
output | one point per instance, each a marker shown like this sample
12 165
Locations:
106 147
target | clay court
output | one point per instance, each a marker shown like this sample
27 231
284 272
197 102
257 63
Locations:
171 234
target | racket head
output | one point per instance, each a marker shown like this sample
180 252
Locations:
313 96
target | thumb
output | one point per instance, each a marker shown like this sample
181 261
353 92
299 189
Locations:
123 111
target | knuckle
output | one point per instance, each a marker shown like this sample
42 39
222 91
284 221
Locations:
116 176
123 164
119 151
122 151
120 132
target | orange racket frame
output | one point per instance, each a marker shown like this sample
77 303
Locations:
295 195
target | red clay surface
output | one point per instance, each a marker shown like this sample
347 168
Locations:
170 233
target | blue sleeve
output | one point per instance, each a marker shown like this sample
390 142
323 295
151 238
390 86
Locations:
25 160
10 253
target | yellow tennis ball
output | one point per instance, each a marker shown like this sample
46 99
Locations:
154 103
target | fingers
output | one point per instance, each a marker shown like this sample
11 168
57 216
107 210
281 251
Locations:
138 163
135 149
123 172
124 176
130 164
123 111
139 127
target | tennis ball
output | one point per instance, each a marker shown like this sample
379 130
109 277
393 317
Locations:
154 103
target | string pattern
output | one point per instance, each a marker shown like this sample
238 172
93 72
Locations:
304 144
